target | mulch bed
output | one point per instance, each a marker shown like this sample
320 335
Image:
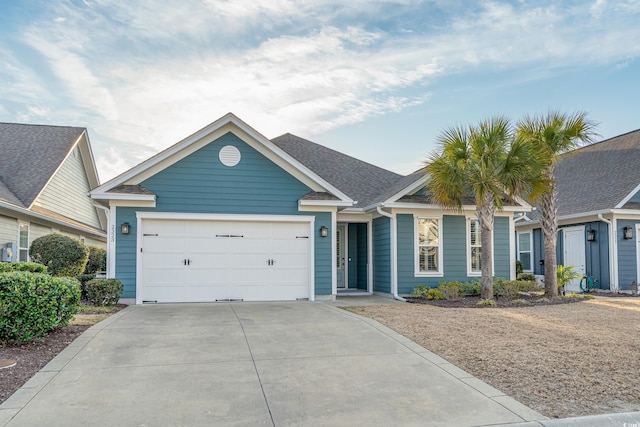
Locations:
33 356
472 302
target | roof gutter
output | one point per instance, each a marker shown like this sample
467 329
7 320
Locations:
613 250
393 242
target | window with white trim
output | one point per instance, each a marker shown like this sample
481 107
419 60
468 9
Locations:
428 246
524 251
23 249
475 248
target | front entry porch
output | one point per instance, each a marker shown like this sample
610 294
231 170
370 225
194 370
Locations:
352 259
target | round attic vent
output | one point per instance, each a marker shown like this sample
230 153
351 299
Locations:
229 155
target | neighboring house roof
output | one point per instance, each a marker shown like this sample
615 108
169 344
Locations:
30 156
598 177
360 180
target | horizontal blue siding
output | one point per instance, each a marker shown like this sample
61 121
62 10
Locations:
454 255
381 255
200 183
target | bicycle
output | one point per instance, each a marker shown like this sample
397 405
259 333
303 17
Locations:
588 283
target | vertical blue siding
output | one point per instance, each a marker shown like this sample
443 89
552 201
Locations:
454 257
381 255
199 183
627 257
597 253
501 248
538 251
363 256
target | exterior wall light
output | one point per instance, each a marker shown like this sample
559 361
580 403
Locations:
125 228
591 235
628 233
324 231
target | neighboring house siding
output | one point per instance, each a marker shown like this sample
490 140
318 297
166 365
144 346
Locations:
538 251
381 255
597 253
200 183
501 248
37 230
66 193
93 242
454 252
635 198
627 256
8 230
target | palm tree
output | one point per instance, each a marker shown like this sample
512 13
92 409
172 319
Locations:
552 135
485 163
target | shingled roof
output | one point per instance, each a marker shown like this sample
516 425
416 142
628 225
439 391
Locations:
359 180
598 176
30 156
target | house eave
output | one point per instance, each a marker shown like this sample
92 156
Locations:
332 203
49 219
124 196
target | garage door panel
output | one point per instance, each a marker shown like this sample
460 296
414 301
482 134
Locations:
227 260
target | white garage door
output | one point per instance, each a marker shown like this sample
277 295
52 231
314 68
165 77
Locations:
198 261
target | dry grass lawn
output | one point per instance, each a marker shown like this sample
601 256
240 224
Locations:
561 360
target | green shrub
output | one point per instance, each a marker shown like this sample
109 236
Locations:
420 291
452 291
97 260
520 301
104 291
83 279
435 294
518 267
486 302
526 276
513 288
32 267
472 289
32 304
62 255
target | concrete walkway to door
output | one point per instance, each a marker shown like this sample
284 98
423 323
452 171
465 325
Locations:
252 364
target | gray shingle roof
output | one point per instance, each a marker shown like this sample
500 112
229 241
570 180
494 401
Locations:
131 189
30 156
598 176
359 180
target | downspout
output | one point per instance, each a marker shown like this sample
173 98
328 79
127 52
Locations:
394 265
613 285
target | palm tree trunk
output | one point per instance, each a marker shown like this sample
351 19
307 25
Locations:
485 214
549 222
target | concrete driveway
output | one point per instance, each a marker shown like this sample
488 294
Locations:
252 364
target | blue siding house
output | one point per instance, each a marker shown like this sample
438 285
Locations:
599 215
227 214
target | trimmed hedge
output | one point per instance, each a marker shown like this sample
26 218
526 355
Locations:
32 267
97 260
32 304
103 291
64 256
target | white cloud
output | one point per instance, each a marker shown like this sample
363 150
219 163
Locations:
145 74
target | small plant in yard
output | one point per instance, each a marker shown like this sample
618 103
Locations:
435 294
565 274
452 291
520 301
580 296
526 276
420 291
471 289
104 291
486 302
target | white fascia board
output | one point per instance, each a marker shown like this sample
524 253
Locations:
224 217
354 217
415 185
31 214
124 196
335 203
628 197
208 134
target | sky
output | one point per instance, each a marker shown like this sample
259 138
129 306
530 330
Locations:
379 80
